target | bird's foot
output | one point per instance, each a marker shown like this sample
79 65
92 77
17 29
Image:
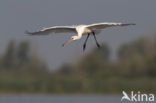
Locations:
98 46
84 47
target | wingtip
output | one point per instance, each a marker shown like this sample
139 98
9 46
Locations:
62 45
127 24
27 32
133 24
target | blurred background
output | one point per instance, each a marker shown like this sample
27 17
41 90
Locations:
40 65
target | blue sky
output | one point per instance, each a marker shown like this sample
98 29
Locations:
16 16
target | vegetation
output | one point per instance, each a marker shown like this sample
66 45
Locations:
135 69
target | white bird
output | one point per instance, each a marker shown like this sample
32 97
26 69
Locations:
79 29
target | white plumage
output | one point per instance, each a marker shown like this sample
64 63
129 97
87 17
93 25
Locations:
79 29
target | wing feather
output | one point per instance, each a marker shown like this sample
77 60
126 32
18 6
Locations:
107 24
55 29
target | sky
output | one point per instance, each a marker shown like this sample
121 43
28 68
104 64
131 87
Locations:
16 16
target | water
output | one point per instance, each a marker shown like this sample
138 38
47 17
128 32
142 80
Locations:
24 98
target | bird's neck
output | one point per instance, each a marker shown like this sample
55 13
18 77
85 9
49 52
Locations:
78 37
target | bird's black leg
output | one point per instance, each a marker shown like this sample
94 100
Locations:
96 40
84 45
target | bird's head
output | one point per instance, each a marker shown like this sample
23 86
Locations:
71 39
74 38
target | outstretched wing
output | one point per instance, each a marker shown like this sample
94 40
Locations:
107 24
55 29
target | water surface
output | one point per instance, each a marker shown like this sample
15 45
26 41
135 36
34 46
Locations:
41 98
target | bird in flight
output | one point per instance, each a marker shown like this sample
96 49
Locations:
81 30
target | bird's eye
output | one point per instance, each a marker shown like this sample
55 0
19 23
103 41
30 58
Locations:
72 38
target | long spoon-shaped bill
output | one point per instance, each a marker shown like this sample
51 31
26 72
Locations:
68 41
